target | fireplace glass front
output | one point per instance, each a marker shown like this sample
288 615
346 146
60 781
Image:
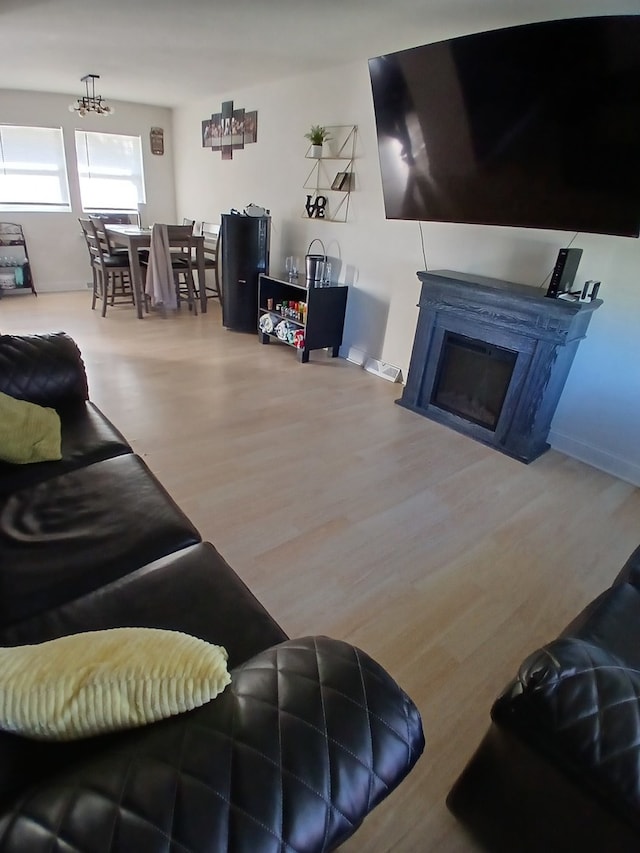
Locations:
472 379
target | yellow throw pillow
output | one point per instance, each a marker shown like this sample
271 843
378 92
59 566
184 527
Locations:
28 433
102 681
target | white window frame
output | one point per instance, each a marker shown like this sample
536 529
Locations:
100 180
53 165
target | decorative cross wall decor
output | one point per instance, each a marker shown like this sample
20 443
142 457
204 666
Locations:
229 129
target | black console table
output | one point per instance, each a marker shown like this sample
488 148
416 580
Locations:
490 358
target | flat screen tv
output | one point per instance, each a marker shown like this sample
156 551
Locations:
535 126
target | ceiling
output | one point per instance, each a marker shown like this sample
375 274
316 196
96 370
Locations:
166 52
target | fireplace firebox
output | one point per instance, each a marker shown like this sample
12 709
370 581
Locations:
472 379
490 358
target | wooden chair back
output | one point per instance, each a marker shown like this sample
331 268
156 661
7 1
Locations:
91 239
211 236
99 248
211 248
103 235
210 232
180 236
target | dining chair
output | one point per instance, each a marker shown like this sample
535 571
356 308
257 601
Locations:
183 262
111 273
92 248
192 224
120 285
211 246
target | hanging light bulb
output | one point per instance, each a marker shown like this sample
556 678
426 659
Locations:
90 102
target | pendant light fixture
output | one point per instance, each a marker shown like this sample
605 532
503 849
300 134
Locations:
90 102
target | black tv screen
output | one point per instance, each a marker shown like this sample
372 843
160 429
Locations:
535 126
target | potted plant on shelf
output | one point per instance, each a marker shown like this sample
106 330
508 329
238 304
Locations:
317 136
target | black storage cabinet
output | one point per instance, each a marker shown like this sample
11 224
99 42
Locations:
245 254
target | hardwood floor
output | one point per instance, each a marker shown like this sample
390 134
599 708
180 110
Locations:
349 516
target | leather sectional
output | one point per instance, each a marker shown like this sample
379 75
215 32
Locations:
559 768
310 735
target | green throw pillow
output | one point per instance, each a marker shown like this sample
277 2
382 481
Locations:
28 433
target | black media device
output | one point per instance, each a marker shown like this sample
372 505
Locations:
564 272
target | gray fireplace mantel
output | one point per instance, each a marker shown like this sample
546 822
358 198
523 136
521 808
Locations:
545 334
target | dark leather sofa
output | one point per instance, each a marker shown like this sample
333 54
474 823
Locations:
559 768
308 738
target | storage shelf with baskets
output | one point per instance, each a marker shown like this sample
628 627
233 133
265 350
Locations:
332 175
15 269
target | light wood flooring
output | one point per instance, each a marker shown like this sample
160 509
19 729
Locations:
350 516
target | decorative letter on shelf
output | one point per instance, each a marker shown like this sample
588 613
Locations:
315 206
229 129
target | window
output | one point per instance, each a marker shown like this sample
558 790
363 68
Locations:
33 174
110 171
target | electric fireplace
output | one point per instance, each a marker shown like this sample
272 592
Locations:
490 358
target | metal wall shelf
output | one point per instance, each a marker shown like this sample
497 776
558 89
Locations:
332 175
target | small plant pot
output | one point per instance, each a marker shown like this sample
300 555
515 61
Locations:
316 151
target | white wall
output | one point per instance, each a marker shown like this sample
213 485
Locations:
598 418
57 251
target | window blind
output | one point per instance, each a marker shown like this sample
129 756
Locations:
33 173
110 171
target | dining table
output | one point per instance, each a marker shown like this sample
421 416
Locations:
133 238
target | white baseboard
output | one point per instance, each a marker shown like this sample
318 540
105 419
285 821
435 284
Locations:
601 459
62 286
